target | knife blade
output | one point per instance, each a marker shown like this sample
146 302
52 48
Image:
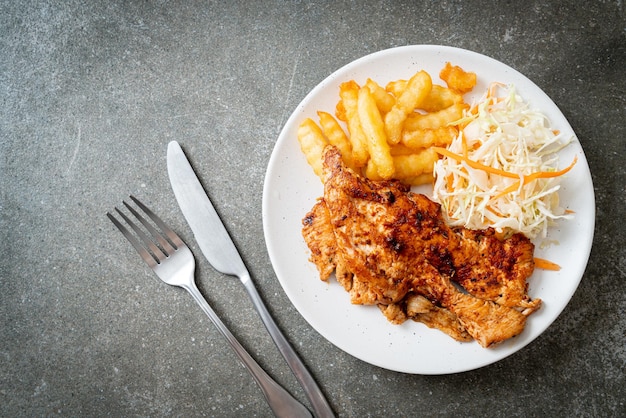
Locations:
219 249
206 225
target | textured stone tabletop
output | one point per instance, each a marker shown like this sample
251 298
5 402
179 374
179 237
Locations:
92 92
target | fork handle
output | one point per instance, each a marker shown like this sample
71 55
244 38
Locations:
319 403
279 400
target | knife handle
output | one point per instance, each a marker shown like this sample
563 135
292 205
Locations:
318 401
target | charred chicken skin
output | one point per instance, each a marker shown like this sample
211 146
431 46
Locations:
392 248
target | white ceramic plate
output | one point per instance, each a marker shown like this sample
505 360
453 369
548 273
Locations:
291 188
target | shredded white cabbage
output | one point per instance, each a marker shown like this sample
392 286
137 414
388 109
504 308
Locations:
501 132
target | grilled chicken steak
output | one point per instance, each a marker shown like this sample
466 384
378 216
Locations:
392 248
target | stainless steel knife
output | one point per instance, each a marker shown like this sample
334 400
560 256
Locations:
220 251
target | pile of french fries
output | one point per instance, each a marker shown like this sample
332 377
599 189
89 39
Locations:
390 131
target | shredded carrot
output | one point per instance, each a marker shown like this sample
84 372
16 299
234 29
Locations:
549 174
535 176
474 164
492 88
546 264
492 210
449 183
491 170
513 187
464 146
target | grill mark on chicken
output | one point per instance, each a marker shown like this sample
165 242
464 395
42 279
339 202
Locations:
389 246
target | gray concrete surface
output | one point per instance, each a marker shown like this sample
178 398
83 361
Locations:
92 91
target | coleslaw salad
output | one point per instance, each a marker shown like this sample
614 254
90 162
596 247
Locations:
502 169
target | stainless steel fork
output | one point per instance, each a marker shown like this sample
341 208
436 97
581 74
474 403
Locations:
174 263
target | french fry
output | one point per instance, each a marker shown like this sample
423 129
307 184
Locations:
374 130
439 98
349 92
336 136
390 132
371 173
312 143
384 100
401 149
457 78
424 178
413 165
416 121
396 87
424 138
340 111
416 90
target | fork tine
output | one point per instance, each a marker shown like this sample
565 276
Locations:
147 257
175 239
148 244
165 245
